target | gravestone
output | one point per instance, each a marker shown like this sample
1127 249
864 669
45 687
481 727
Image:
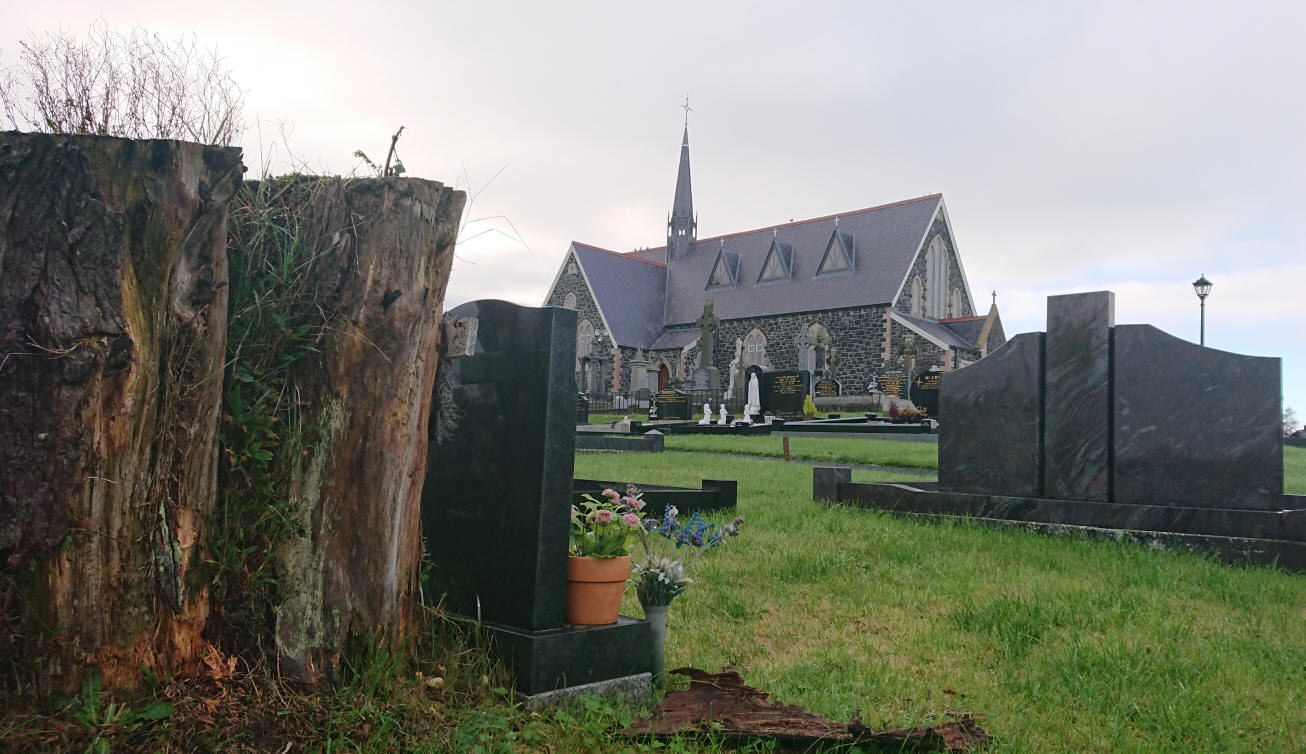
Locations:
1114 413
826 388
783 392
496 501
893 384
925 392
670 404
1118 431
582 409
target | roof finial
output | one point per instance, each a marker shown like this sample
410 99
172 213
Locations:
723 242
686 108
775 233
995 298
836 221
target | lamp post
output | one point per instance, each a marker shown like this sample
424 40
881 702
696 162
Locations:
1203 288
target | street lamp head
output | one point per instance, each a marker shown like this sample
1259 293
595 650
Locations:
1202 286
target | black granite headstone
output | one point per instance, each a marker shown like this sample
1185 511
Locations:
495 507
671 404
497 496
826 388
582 409
782 393
925 393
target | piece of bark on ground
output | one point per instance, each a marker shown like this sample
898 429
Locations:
722 705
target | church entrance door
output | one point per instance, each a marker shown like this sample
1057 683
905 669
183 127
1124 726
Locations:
664 377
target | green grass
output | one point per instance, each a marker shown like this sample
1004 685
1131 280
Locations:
862 450
1294 470
1065 644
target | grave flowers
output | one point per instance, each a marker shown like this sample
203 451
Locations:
603 530
670 547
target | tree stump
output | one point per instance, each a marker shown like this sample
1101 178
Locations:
112 331
378 253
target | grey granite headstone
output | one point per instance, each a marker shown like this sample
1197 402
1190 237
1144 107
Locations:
1194 426
1077 394
993 445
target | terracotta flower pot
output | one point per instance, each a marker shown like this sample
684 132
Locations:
594 587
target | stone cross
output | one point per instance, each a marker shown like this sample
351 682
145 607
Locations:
705 341
804 343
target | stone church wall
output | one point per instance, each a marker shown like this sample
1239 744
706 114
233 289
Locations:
857 335
574 282
940 228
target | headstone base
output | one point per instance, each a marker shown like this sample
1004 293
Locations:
631 689
543 661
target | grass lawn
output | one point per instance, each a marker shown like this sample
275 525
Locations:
1065 644
863 450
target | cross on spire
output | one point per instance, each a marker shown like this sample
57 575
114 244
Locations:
687 109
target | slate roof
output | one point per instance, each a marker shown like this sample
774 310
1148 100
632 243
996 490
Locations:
630 291
967 328
885 239
936 331
676 339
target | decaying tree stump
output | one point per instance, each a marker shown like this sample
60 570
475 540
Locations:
112 330
379 252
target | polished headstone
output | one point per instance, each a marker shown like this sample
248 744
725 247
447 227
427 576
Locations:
1194 426
924 392
498 484
671 404
1077 396
782 392
992 441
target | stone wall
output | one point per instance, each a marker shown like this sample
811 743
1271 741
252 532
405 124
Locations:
940 228
571 281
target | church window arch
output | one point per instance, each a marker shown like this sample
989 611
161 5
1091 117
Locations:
917 296
936 279
954 303
755 348
569 302
584 341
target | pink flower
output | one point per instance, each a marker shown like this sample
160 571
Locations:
633 503
574 512
611 494
631 519
603 516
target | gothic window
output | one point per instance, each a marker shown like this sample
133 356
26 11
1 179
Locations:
584 339
725 273
838 255
569 302
755 348
954 303
936 279
917 296
778 264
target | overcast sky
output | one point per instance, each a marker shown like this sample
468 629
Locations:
1122 146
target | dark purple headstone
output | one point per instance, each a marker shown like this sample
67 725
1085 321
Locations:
992 442
1194 426
1077 397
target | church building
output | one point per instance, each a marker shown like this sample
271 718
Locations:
850 288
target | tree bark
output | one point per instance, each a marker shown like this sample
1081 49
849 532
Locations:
112 332
382 251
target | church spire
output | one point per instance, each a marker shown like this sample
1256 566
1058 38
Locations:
682 228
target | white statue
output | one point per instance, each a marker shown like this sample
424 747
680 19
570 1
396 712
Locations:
707 414
754 399
724 420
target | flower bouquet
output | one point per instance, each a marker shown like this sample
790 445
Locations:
606 528
670 547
